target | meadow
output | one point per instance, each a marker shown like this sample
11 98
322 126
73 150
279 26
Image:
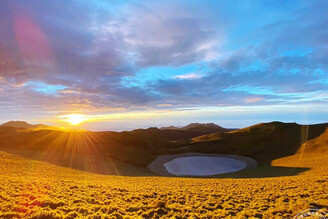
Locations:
35 189
54 174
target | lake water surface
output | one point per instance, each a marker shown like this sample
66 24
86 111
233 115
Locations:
203 166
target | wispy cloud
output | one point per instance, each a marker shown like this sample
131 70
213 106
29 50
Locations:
189 76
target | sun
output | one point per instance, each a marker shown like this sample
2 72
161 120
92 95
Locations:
74 119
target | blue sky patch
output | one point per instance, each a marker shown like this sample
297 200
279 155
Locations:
44 88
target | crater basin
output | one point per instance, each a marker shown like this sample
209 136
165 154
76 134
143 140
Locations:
197 164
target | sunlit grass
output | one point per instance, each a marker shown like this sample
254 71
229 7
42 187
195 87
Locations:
34 189
38 189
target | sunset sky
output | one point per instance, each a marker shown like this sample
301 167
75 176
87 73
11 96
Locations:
134 64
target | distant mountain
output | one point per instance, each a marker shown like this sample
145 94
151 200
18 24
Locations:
23 124
204 128
170 128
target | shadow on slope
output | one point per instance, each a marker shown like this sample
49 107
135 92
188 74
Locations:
266 171
263 142
129 153
103 152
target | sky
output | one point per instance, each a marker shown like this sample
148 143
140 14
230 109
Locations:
137 64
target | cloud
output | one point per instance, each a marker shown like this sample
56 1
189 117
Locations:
253 100
73 55
164 105
189 76
90 51
154 36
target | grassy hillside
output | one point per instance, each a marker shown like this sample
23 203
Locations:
81 150
34 189
264 142
75 148
319 144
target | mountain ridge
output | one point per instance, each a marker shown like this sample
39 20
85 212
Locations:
24 124
199 127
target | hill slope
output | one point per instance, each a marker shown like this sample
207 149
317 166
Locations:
37 189
23 124
34 189
264 142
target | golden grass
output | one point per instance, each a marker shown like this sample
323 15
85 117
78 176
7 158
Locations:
35 189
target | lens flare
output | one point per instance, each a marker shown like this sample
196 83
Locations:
74 119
